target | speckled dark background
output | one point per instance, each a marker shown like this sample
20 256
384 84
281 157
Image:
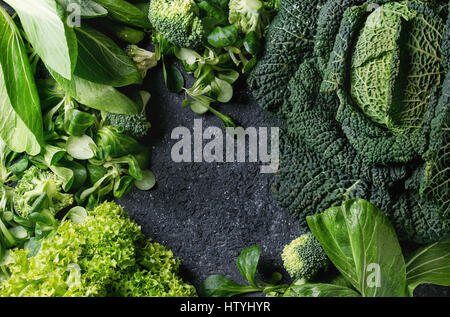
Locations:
207 213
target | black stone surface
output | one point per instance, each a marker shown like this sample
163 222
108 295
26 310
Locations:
206 213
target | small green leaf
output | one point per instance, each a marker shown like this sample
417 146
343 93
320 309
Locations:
252 43
220 286
77 122
222 90
101 61
223 36
125 12
77 214
81 147
148 180
173 78
80 174
247 263
213 11
123 186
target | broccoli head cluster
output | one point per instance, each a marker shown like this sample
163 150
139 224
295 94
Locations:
364 90
178 21
304 257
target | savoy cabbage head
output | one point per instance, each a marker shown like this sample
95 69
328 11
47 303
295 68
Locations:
364 88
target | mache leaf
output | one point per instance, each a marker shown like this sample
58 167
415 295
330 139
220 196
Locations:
51 38
21 126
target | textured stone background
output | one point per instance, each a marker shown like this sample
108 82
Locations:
208 213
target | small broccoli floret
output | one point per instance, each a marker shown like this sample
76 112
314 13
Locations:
249 15
178 21
143 59
38 190
134 125
304 257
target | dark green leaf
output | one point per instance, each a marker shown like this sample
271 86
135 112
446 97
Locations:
101 61
223 36
319 290
247 263
20 111
80 174
429 265
362 244
51 38
220 286
19 166
95 172
213 11
78 122
125 12
252 43
97 96
123 186
173 78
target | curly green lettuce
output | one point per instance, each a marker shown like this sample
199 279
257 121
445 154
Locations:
104 255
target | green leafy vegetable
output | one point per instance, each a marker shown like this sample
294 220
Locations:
365 100
102 61
361 242
223 36
125 12
97 96
52 39
102 253
247 262
21 121
430 265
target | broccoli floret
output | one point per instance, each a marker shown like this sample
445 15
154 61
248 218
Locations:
134 125
249 15
39 189
304 257
178 21
143 59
